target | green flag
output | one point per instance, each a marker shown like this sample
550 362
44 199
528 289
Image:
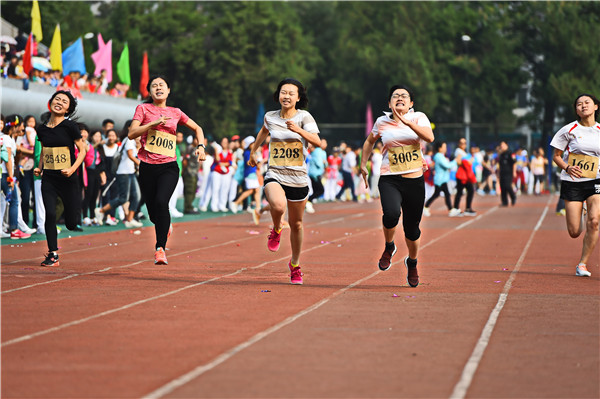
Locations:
123 67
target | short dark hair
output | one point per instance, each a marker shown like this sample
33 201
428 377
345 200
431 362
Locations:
125 130
83 126
303 102
104 122
438 145
594 99
72 101
153 78
396 87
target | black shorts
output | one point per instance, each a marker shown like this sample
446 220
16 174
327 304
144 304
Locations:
579 191
293 194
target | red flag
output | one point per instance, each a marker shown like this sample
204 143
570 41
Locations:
145 76
27 66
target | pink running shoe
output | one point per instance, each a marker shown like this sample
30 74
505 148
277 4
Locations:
296 275
273 240
160 258
18 234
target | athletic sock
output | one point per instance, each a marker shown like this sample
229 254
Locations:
279 231
389 246
411 262
294 266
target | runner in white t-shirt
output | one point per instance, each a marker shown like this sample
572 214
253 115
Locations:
286 182
577 152
401 185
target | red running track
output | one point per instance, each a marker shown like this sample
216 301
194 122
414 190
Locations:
498 314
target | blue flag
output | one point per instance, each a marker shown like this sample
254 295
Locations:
73 59
260 117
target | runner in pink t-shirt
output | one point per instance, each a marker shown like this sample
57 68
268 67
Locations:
156 125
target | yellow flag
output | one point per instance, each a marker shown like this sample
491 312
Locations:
56 50
36 21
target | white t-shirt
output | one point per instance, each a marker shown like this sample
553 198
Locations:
110 152
8 142
577 139
349 161
293 176
127 166
376 160
397 135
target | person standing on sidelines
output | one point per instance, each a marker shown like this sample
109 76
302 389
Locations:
59 137
441 177
291 129
316 169
401 185
156 125
577 152
507 171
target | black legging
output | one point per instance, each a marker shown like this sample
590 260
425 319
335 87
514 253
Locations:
157 184
67 188
507 190
459 190
90 197
400 194
443 188
317 187
348 183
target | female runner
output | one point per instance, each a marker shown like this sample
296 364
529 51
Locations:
156 125
401 186
577 152
291 128
57 165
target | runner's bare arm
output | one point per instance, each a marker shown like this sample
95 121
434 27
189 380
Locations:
260 138
366 154
137 129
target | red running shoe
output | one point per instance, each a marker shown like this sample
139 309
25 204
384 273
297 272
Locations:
273 240
296 275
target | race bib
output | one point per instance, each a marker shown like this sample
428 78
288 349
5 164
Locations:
286 153
587 163
56 158
405 158
161 143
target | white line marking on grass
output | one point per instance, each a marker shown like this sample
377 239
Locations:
461 388
198 371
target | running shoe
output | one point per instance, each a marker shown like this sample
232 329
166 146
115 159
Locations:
18 234
309 208
51 260
87 221
412 277
29 230
99 216
426 212
4 234
582 271
469 212
160 258
273 240
111 221
455 213
132 224
385 262
296 274
256 216
234 207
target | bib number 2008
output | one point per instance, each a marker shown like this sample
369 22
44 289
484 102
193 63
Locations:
405 158
56 158
161 143
286 154
587 164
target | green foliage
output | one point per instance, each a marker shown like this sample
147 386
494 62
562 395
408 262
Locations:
224 58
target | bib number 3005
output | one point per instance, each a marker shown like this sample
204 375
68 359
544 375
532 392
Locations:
56 158
587 163
405 158
161 143
284 153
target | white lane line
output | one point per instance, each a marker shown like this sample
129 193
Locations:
143 301
198 371
461 388
143 260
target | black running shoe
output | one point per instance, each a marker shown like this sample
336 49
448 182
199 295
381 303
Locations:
51 260
412 276
385 262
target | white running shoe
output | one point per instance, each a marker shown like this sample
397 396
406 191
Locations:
5 234
175 213
111 221
99 216
29 231
233 206
426 212
132 224
454 213
309 207
582 271
203 209
87 221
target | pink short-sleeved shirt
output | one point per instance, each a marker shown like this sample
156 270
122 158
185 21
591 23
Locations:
146 113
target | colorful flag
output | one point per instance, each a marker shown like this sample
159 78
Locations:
56 50
27 65
103 58
145 76
123 67
369 120
73 59
36 21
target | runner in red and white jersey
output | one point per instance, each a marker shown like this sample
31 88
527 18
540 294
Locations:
577 152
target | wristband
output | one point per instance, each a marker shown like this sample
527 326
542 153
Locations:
9 179
201 145
567 169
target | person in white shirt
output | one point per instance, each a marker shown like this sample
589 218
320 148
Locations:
401 185
577 152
